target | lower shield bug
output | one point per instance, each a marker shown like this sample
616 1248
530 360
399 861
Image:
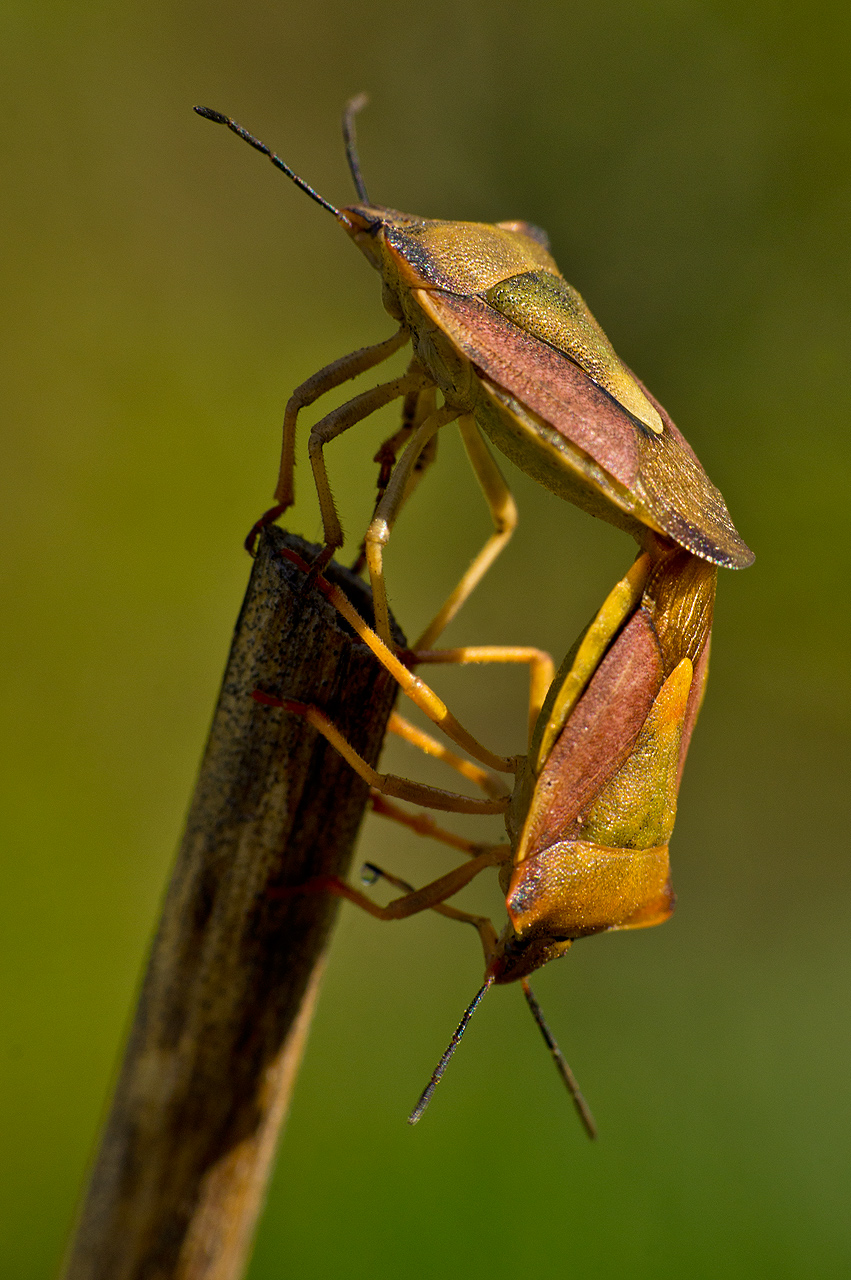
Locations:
591 806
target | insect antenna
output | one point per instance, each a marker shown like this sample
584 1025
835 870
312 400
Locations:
559 1059
426 1095
216 116
353 106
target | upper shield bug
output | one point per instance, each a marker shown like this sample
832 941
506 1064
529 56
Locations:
515 353
592 806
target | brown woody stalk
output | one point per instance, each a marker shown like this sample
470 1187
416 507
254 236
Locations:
187 1150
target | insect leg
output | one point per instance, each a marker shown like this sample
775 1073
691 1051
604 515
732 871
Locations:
418 405
541 666
333 425
490 782
503 511
487 933
398 490
412 686
333 375
388 784
424 825
430 898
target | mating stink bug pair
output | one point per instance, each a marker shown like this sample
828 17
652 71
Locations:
515 354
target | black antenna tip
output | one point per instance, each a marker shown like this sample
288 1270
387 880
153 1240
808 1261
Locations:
426 1095
209 114
219 118
568 1078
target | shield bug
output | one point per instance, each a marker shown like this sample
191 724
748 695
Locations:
591 808
517 357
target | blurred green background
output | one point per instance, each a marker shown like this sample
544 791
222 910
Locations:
166 290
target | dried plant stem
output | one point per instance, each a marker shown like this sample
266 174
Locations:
179 1179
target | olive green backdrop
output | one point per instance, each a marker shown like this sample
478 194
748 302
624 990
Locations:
166 289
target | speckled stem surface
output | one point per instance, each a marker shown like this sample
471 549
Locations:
179 1178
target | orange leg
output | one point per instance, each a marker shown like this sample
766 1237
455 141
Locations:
327 379
333 425
385 783
400 486
424 825
503 512
487 932
490 782
414 688
418 405
430 898
541 666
